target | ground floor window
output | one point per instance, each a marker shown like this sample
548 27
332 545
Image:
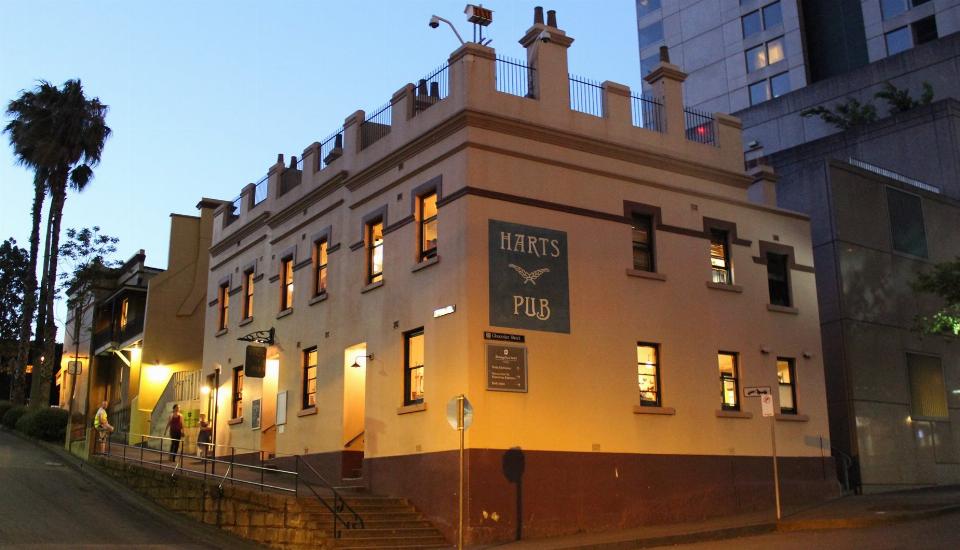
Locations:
309 378
236 403
729 385
786 377
413 367
648 374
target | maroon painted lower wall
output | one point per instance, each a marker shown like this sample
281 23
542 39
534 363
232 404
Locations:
558 493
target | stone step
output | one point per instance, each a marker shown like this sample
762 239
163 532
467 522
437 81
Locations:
323 516
395 523
374 532
394 542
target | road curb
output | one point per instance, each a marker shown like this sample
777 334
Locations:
207 535
862 522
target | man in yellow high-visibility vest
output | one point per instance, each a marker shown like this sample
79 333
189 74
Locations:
103 427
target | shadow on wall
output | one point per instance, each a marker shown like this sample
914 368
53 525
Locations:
513 463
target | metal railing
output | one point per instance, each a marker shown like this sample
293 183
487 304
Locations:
331 148
700 126
514 77
431 89
893 175
586 96
376 126
260 190
647 113
213 463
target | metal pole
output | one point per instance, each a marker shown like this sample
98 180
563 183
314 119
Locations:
461 430
776 475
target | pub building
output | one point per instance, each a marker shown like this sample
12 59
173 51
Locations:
590 267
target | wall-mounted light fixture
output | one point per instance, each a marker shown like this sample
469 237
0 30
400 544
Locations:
356 363
765 350
445 310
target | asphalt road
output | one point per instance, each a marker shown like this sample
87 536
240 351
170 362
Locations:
45 503
938 533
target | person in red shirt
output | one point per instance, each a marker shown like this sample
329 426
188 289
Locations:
175 425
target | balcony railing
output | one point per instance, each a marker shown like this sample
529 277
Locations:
647 112
376 126
700 126
514 77
586 96
431 89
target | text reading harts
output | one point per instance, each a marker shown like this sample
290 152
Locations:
529 244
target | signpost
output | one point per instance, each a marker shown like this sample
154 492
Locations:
766 407
460 417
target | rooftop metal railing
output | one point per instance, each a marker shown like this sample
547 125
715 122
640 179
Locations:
647 113
431 89
700 126
893 175
376 126
331 148
514 77
586 96
260 190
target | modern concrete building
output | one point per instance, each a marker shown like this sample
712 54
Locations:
740 53
894 393
138 343
601 283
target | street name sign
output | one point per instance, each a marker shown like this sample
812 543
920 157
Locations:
756 391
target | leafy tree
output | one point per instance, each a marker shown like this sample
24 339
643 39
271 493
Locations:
844 115
14 263
60 134
944 281
900 100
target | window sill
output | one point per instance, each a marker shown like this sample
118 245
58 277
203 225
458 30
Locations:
641 409
246 321
371 286
221 332
733 414
425 264
723 286
416 407
284 312
782 309
308 411
792 417
318 298
235 421
646 274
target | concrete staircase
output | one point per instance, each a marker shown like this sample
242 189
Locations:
389 522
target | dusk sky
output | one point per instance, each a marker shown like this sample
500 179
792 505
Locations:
204 95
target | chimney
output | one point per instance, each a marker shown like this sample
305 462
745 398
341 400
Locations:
547 53
552 18
538 15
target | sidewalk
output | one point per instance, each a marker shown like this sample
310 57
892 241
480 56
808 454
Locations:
844 513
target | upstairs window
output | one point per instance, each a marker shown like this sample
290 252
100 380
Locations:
236 398
651 34
648 374
778 279
751 23
223 299
248 294
906 223
309 378
729 381
765 54
428 226
286 283
772 15
374 243
413 351
643 259
124 313
924 30
898 40
647 6
720 257
786 379
928 395
320 267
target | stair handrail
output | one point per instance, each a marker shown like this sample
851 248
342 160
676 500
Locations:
356 437
339 503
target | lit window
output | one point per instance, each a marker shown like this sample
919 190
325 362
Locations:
124 313
286 282
428 226
898 40
310 378
779 84
248 294
729 385
928 396
756 58
758 92
906 223
236 401
751 23
648 374
320 267
786 378
643 259
375 252
775 51
778 279
413 367
772 15
720 257
223 297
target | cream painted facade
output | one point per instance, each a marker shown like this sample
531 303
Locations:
491 155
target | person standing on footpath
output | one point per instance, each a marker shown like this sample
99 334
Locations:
103 427
175 425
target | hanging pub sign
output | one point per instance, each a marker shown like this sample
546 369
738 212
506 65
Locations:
529 284
255 365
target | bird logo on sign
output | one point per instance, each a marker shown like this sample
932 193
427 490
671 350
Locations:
529 277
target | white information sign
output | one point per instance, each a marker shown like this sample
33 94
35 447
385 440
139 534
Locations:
766 403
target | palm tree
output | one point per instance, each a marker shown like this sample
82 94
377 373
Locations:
60 134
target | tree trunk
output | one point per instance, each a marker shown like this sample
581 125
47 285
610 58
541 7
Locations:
17 381
40 386
42 311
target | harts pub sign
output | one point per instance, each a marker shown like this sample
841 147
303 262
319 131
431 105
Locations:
529 284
